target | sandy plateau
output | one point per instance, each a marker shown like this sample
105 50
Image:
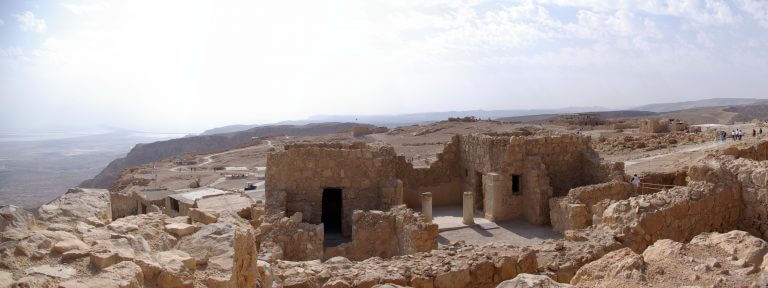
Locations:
459 203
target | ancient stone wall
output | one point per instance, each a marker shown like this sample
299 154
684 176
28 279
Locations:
753 178
575 211
442 178
652 126
546 166
758 152
291 239
123 205
530 171
450 266
710 202
677 178
398 231
303 171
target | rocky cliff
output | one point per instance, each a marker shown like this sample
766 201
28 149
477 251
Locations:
145 153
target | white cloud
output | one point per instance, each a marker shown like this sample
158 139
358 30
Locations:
758 9
28 22
1 22
84 8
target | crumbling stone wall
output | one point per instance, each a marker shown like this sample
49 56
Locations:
302 171
710 202
374 178
758 152
753 178
398 231
547 166
442 178
449 266
575 211
677 178
123 204
291 239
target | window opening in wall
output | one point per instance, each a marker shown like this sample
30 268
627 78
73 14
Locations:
515 184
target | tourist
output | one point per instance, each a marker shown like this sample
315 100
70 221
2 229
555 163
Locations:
754 132
635 182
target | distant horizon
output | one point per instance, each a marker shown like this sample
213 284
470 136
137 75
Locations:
91 130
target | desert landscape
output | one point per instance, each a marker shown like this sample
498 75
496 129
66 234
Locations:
462 202
386 144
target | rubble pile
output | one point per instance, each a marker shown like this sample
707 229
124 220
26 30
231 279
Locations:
621 144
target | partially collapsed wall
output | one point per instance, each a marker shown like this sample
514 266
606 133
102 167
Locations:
302 172
753 178
398 231
511 177
710 202
289 238
576 210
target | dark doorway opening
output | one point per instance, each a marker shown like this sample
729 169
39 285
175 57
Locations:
515 184
478 191
332 210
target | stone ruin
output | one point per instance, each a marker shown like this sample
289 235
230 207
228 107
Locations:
365 192
655 125
684 234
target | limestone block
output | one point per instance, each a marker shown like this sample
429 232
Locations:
6 279
57 271
457 278
74 254
180 229
619 264
532 281
34 246
122 227
69 244
203 216
15 217
125 274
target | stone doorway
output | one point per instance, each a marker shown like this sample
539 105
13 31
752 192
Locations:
332 210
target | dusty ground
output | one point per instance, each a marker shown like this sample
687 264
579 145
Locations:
516 232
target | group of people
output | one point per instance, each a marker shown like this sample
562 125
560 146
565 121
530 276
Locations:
737 134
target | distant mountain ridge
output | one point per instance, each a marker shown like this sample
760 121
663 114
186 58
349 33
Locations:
713 102
394 120
146 153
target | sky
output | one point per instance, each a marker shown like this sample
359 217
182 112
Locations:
186 66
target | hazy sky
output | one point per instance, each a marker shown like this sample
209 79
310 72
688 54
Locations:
190 65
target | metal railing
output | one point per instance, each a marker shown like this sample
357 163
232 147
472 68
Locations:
655 186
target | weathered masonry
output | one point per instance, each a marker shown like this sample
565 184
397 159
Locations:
513 177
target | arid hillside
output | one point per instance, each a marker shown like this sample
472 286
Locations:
145 153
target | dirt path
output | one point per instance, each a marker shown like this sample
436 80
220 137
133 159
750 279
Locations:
207 159
680 157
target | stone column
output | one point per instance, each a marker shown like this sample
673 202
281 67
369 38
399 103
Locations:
469 209
490 199
426 206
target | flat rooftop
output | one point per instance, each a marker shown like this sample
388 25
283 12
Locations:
232 202
154 195
190 195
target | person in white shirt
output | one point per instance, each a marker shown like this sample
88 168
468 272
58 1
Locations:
635 182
